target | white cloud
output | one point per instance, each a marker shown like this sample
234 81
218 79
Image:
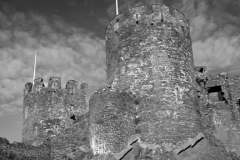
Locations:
63 50
75 53
216 40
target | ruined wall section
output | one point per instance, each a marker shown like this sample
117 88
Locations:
151 55
218 88
51 111
234 87
21 151
112 120
217 95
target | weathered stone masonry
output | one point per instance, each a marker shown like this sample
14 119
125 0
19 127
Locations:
21 151
112 120
218 100
151 55
56 114
156 104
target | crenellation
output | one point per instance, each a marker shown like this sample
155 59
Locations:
38 85
155 96
51 111
54 82
72 87
136 10
137 16
28 88
83 87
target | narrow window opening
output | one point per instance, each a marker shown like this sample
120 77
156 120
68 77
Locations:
238 105
73 117
199 94
238 102
161 17
137 102
137 16
137 121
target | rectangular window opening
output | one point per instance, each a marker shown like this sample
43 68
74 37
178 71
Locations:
216 94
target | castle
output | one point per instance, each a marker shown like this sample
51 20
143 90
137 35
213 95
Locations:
155 99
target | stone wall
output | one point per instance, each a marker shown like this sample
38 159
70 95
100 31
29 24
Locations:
150 55
56 114
112 120
157 105
21 151
219 107
75 142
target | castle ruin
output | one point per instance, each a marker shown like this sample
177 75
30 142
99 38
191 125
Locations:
156 105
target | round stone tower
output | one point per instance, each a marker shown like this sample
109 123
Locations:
150 54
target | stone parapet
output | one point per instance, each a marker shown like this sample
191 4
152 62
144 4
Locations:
50 111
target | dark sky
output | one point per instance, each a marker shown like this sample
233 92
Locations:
69 38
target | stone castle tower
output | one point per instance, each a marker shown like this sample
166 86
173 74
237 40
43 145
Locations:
55 114
156 104
150 56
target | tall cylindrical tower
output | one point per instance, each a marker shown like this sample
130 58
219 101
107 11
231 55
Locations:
151 55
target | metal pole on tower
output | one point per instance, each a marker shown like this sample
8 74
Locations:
34 71
116 7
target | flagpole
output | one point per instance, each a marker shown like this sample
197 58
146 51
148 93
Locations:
116 7
34 71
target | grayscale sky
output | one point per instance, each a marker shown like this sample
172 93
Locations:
69 38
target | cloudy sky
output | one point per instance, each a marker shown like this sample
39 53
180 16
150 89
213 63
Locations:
69 38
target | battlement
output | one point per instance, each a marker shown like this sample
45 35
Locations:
54 83
138 34
51 110
160 15
38 96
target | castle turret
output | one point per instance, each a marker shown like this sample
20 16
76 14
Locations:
56 114
150 55
54 83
